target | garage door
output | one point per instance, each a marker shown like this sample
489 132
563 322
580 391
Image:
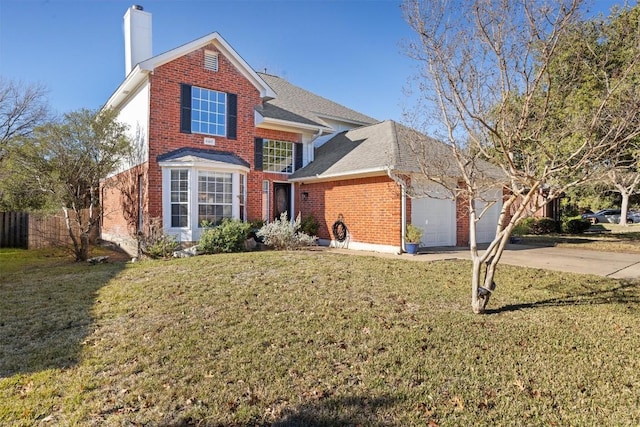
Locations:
486 228
437 217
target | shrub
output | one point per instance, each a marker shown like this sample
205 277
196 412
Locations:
544 226
283 234
163 247
154 243
309 225
536 226
227 237
575 225
523 227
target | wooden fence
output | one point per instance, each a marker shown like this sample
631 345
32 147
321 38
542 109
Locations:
34 231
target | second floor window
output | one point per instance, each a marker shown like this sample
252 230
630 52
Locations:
208 111
277 156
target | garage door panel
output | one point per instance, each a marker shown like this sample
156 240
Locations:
437 218
486 227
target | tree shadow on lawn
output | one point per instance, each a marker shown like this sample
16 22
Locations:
627 292
340 411
331 411
46 314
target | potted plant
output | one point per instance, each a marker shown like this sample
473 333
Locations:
412 238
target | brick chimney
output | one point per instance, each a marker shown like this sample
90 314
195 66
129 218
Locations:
137 37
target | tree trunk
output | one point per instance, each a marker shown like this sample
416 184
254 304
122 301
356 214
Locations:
624 207
83 253
76 244
477 305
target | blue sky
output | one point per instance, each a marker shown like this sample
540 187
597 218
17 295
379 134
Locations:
349 51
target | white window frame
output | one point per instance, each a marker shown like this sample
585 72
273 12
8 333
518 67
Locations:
270 160
202 114
226 195
192 232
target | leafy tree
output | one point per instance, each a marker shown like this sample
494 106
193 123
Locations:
63 163
620 51
515 110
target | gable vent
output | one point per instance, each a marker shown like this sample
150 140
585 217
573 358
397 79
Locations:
210 60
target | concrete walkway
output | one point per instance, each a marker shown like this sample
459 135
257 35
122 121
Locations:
606 264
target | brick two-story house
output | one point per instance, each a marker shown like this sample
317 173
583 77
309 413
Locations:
216 139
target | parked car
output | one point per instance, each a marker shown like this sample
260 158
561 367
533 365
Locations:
609 216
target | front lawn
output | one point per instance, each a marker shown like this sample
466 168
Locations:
311 338
600 237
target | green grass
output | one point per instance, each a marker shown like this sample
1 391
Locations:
312 338
601 237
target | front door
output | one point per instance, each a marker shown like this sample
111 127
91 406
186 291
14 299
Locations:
282 200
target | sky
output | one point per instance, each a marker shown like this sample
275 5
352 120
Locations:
349 51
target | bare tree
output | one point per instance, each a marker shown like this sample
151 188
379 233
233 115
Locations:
508 107
22 108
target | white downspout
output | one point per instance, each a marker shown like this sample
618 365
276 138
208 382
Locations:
310 150
403 210
403 221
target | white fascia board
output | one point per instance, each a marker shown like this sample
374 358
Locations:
287 126
265 90
190 161
343 119
136 77
362 173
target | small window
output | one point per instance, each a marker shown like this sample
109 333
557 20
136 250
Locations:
277 156
179 198
243 198
265 200
210 60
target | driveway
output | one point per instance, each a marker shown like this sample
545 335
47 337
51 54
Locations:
606 264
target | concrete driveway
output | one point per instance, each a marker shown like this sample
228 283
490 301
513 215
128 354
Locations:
606 264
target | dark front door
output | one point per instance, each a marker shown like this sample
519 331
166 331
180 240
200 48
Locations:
282 200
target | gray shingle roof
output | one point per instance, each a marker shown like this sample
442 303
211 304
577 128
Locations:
367 149
203 153
374 149
298 105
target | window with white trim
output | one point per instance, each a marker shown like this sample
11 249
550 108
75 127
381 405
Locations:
243 198
198 191
179 198
215 197
266 185
277 156
208 111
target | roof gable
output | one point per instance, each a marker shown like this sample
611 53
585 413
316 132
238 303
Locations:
365 150
141 70
296 105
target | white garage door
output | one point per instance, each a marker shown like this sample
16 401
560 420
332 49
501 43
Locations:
486 227
437 217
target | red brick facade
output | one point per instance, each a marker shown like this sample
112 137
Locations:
121 201
371 208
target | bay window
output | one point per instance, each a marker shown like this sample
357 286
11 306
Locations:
199 186
215 197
